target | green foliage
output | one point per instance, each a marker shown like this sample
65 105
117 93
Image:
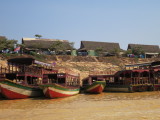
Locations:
10 44
38 56
21 45
9 55
137 51
38 36
129 51
57 46
116 51
5 43
99 51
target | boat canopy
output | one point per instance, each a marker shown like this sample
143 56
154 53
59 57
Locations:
22 60
138 65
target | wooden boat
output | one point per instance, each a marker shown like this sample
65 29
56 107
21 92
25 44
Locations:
21 77
93 86
96 87
56 90
2 77
0 94
12 90
65 85
135 78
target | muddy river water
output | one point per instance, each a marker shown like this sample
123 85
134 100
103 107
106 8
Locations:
105 106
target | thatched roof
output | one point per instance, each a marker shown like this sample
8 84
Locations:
3 37
92 45
145 48
43 43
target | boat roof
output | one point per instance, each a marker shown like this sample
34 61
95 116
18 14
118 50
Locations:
156 63
137 65
21 60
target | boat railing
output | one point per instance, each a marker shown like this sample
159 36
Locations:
19 69
102 72
51 71
22 69
141 80
3 70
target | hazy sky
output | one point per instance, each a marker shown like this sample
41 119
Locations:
122 21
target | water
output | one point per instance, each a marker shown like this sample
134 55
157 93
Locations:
105 106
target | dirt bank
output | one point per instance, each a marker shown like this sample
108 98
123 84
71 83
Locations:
86 64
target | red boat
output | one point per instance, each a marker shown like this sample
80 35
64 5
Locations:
21 77
64 85
12 90
57 91
93 85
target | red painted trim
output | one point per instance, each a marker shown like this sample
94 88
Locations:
98 89
52 94
12 95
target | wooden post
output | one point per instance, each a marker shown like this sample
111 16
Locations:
66 79
124 78
1 69
142 80
149 79
90 80
25 79
131 78
134 80
138 78
12 68
9 67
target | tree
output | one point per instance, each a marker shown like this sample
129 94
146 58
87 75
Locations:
71 44
22 46
38 36
57 46
10 44
137 51
99 51
116 51
5 43
129 51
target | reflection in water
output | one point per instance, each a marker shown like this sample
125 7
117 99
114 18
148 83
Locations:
142 105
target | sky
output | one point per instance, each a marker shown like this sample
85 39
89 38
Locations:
119 21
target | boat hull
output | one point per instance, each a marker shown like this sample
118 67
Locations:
12 90
129 88
0 93
97 87
58 91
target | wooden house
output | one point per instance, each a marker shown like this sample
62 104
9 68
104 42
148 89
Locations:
92 47
45 46
149 50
